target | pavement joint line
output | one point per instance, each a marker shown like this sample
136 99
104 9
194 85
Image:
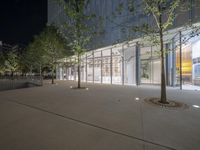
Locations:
91 125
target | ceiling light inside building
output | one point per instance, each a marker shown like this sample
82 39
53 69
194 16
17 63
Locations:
196 106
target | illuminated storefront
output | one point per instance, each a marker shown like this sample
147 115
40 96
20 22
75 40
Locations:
131 64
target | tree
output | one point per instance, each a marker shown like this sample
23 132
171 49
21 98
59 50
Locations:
12 62
77 30
160 9
53 47
163 14
34 58
2 62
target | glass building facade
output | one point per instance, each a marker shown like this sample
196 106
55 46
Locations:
129 63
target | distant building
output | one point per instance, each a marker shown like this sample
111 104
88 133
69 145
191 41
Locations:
117 58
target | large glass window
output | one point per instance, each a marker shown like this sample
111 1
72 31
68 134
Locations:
150 65
186 64
116 66
90 67
155 65
196 62
71 69
129 65
190 62
97 66
106 66
83 68
145 65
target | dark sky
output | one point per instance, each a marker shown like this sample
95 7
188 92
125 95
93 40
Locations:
20 20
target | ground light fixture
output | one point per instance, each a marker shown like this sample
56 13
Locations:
137 98
87 88
196 106
71 87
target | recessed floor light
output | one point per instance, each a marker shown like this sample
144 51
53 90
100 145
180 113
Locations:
71 87
137 98
196 106
87 88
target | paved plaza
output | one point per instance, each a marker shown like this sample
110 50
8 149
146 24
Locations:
104 117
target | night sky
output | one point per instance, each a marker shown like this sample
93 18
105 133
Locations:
20 20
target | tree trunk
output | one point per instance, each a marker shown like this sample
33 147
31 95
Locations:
52 75
163 98
41 79
40 72
163 95
79 72
31 70
12 75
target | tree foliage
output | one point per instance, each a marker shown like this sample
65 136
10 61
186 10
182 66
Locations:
79 27
12 62
2 61
53 48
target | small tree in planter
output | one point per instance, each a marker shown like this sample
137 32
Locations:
160 9
162 14
79 28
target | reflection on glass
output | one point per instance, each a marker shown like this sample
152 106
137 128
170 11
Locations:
90 68
106 66
145 71
97 67
150 65
196 62
186 64
116 66
83 68
129 65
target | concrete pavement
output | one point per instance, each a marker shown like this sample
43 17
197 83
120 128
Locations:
105 117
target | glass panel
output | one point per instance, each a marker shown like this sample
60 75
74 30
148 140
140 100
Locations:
106 66
150 65
116 66
155 65
186 64
71 69
190 63
129 66
97 67
71 73
90 67
196 62
83 68
145 65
